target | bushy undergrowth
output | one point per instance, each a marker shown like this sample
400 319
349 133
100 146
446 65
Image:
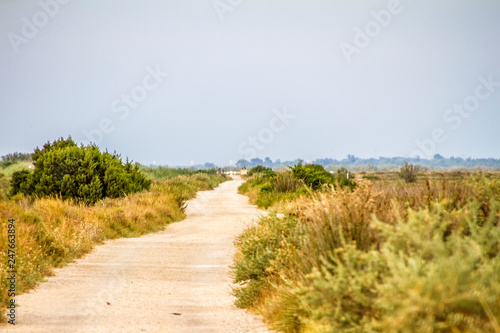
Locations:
4 187
52 232
385 257
81 173
266 187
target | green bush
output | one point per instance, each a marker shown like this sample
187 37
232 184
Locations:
266 187
313 175
83 174
345 178
263 170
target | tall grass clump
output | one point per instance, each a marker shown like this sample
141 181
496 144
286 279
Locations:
385 257
52 232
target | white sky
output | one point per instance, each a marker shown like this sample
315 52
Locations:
229 72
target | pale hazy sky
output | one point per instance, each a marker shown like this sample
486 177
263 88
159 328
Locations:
285 79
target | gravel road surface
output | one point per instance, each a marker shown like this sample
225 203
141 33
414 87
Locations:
176 280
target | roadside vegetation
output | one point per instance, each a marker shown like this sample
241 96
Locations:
80 173
385 255
53 230
266 188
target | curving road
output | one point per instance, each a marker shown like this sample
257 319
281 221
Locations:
176 280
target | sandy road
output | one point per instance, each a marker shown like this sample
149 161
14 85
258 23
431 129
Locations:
176 280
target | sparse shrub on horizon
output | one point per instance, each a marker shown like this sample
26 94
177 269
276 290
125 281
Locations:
408 172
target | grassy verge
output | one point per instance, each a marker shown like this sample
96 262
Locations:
52 232
385 257
260 191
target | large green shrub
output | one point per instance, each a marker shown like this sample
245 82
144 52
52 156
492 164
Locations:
263 170
313 175
81 173
266 187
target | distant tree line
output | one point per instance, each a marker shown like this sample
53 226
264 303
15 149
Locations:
81 173
351 160
13 158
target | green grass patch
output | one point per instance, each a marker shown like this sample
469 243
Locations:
17 166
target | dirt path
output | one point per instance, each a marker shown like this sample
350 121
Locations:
176 280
